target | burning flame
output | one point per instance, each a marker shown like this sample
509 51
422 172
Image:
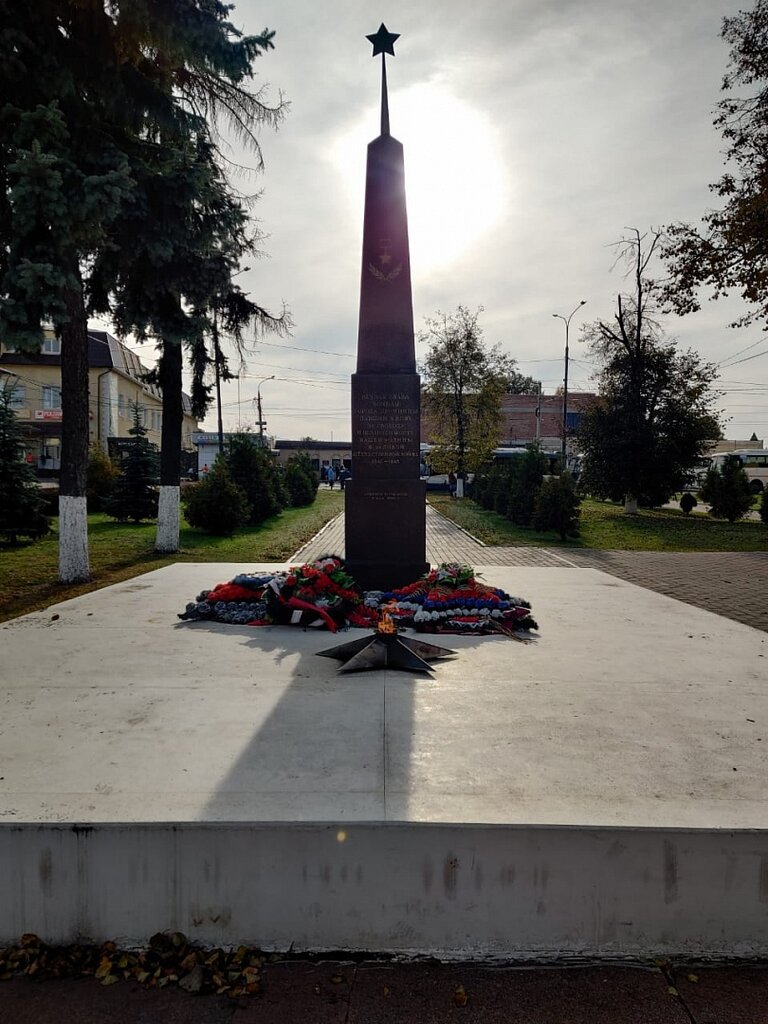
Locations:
386 625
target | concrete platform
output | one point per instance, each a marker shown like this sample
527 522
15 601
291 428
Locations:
601 791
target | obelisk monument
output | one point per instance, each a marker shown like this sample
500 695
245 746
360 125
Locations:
385 505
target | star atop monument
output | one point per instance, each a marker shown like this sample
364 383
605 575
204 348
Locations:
383 41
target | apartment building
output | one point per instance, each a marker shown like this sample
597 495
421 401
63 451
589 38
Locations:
115 385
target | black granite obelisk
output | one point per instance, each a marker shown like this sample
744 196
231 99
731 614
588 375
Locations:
385 509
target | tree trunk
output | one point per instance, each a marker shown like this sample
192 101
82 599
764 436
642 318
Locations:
73 504
630 505
168 514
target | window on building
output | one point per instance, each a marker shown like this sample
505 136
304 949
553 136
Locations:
18 396
121 406
51 347
51 398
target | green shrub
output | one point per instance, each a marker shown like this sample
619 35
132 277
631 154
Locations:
301 480
764 506
557 507
688 502
22 506
216 504
526 479
254 471
727 491
102 477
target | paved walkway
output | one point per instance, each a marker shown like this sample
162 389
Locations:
730 583
415 993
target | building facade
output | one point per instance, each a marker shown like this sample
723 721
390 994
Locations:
115 387
527 418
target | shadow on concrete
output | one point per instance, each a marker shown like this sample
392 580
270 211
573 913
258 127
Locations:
329 743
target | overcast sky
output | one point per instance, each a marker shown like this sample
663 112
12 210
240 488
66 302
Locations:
535 131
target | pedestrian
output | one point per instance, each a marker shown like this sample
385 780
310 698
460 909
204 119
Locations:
205 471
452 483
331 476
342 477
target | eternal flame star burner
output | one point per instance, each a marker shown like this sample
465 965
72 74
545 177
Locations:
386 649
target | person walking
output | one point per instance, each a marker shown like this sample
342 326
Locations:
331 476
343 474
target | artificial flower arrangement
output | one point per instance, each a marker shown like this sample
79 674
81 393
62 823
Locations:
450 599
322 594
318 594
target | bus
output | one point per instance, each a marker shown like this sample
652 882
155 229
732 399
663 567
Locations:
754 462
439 481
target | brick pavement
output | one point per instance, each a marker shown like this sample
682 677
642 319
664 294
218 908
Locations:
730 583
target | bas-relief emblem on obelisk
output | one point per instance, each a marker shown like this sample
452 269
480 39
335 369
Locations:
384 259
385 510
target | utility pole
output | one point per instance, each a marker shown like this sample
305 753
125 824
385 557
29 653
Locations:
538 412
217 372
567 322
258 408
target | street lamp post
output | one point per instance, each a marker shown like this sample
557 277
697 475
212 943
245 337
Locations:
567 322
258 407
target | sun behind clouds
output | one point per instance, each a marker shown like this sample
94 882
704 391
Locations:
456 186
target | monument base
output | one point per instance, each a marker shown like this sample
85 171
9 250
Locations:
379 509
571 797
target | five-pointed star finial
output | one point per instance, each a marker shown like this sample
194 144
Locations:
383 41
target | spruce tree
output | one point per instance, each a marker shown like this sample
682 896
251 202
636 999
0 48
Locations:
557 507
135 494
21 503
253 470
216 504
727 491
301 480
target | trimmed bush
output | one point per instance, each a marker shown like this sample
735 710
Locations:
727 490
764 506
216 504
688 502
300 480
255 473
102 477
526 479
557 507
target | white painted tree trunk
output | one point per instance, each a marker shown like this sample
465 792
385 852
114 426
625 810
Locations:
630 505
168 515
73 539
459 487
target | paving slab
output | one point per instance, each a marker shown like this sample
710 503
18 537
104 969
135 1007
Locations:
472 994
374 993
315 993
724 995
83 1001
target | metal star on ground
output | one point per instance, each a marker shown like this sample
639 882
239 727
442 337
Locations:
386 650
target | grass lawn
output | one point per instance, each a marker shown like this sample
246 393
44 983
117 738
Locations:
604 525
119 551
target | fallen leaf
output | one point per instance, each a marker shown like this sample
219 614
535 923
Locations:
693 977
672 990
460 996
